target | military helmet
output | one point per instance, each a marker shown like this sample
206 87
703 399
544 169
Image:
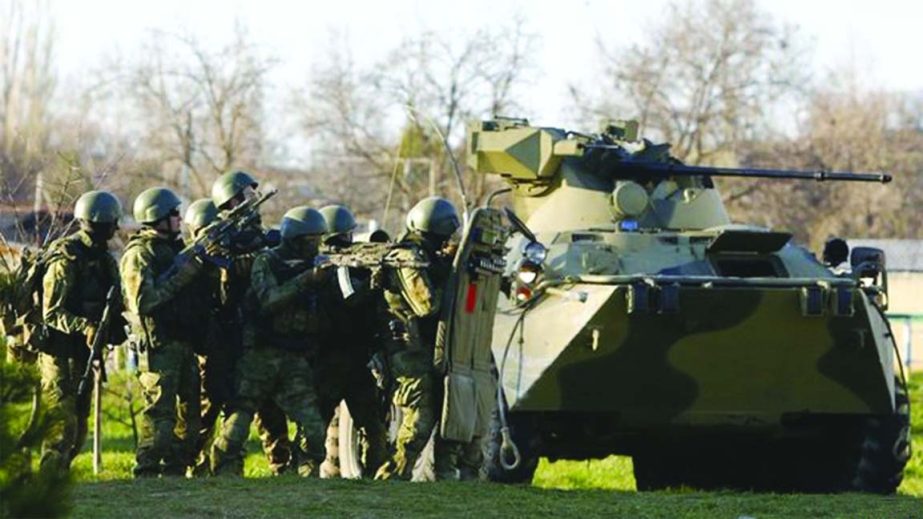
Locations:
155 203
339 219
229 185
98 207
201 213
434 215
302 221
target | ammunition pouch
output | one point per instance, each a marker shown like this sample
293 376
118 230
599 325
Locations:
468 404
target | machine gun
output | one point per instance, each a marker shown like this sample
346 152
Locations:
220 234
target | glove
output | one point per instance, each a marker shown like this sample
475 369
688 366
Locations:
213 248
450 249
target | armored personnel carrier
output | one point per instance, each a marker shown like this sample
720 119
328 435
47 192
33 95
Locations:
640 321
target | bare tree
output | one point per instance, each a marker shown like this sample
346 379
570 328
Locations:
27 83
454 80
847 128
202 110
706 79
387 124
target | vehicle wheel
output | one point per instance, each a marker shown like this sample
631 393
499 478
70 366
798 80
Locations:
730 463
351 446
650 471
661 469
527 441
886 448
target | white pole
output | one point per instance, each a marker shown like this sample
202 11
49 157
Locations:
97 421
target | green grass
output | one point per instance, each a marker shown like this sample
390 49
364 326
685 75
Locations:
571 488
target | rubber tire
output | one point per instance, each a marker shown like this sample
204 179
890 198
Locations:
350 440
351 447
886 448
526 440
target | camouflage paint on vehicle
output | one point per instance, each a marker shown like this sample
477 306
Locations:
655 318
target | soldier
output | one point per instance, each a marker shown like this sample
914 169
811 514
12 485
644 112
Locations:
167 318
229 191
279 334
79 272
342 371
413 300
213 372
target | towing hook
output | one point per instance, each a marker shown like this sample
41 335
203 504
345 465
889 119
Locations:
508 449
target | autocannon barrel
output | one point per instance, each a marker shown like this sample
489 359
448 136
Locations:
641 167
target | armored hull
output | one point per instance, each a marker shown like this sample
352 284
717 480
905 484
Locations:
653 327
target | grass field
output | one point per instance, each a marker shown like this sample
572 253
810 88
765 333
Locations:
571 488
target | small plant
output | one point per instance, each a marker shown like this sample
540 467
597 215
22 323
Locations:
24 425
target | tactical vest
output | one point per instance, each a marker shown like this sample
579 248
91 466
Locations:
418 331
298 326
94 272
184 317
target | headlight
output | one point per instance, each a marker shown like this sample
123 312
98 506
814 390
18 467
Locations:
535 252
528 272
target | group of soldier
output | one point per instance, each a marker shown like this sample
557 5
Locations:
255 326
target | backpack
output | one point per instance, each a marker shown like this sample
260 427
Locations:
22 316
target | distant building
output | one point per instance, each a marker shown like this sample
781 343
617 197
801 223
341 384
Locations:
904 264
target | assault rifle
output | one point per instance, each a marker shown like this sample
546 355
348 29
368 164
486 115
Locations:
368 256
220 234
96 361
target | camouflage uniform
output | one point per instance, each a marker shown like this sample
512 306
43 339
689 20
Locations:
342 372
413 300
223 353
168 317
218 369
77 277
277 338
